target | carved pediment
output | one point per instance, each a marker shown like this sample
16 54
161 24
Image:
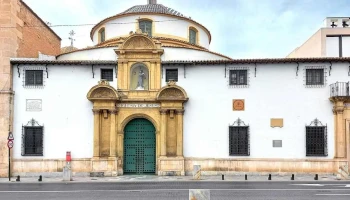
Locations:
102 91
172 92
139 42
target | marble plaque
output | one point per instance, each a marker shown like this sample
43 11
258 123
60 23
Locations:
34 105
138 105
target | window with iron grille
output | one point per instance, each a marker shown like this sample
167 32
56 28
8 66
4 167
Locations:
102 35
146 27
32 141
238 77
193 36
33 77
107 74
316 139
239 139
314 76
171 74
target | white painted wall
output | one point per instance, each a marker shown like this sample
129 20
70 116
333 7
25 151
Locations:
106 53
168 26
332 46
170 53
346 46
275 92
66 112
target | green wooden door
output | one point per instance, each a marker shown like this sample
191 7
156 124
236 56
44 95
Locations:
139 147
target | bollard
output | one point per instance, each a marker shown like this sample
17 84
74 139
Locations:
292 177
246 177
18 178
40 178
222 177
316 177
269 177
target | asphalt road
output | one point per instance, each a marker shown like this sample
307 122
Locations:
175 190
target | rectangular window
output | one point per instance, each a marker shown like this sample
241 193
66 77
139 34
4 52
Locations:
171 74
316 141
107 74
193 36
239 140
32 141
238 77
34 77
314 76
146 27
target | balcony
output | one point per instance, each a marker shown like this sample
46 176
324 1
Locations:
340 89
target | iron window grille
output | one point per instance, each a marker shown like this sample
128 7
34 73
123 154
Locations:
32 139
315 76
316 139
146 27
171 74
34 76
239 142
238 77
107 74
193 36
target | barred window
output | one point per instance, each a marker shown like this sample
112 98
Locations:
32 141
146 26
107 74
193 36
239 139
33 77
314 76
238 77
316 139
171 74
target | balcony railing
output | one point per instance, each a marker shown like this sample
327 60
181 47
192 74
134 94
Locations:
340 89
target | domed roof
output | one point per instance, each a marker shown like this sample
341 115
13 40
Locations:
152 8
68 49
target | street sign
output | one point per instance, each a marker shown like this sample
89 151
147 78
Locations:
10 137
10 144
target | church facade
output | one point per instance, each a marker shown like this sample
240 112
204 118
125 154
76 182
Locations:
151 98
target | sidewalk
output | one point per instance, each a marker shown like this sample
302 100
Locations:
154 178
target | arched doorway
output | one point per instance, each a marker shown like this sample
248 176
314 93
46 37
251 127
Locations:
139 147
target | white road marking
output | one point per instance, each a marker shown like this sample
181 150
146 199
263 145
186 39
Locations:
154 190
309 184
332 194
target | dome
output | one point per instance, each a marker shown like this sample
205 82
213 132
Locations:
152 8
68 49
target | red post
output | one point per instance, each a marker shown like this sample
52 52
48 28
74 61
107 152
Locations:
68 156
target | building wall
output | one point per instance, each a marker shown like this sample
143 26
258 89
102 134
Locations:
35 39
310 48
171 28
66 112
333 46
275 92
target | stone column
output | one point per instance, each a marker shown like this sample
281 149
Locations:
179 136
163 127
96 132
113 134
340 132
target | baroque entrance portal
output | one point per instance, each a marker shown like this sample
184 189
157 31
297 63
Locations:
139 147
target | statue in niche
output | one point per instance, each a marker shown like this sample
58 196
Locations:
139 77
140 80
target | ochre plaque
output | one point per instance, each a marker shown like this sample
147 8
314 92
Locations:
238 104
276 122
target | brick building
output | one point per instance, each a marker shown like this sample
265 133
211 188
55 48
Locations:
22 34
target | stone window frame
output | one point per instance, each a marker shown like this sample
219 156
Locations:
228 73
144 20
102 35
35 68
325 71
193 35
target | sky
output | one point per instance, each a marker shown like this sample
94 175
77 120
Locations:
239 28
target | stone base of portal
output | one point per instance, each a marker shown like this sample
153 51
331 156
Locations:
171 166
104 166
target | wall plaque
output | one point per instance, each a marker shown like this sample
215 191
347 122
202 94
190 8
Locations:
34 105
138 105
238 105
276 122
277 143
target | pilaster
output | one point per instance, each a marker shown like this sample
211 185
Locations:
96 132
340 132
113 133
179 138
163 113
